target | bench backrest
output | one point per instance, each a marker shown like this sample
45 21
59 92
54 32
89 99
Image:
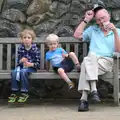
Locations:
9 46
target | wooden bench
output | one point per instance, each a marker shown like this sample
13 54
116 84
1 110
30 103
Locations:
9 46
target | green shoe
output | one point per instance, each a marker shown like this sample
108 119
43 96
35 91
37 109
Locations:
12 98
23 98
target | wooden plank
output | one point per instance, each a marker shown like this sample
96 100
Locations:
16 54
40 40
76 49
85 49
42 50
116 86
1 56
68 47
43 75
8 56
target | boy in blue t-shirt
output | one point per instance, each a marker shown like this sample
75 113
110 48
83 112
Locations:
60 60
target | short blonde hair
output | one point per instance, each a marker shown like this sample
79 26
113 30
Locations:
28 31
52 38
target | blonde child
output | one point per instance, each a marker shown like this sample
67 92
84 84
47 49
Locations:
61 61
28 60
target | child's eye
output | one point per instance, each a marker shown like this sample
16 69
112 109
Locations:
24 37
29 37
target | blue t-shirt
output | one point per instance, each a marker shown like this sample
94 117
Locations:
100 44
55 57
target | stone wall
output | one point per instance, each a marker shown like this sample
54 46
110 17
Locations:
48 16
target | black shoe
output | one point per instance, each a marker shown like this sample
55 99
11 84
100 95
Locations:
95 97
83 106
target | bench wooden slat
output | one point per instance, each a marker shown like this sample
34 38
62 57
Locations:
39 40
42 75
68 47
42 51
16 54
76 49
8 56
1 56
84 49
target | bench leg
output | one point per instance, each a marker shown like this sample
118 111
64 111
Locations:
116 81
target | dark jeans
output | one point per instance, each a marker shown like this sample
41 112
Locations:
23 84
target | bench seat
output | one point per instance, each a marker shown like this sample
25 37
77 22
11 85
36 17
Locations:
41 75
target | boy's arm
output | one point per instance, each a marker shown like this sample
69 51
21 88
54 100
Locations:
47 63
64 53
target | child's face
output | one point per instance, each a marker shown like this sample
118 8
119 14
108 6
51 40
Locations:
27 39
53 45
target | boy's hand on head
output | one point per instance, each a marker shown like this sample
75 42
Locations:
24 60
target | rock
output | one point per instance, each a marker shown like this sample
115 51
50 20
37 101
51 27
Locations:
65 1
116 15
66 19
21 5
76 10
1 3
75 19
61 9
46 27
64 31
38 6
53 7
38 18
112 4
14 15
9 29
35 19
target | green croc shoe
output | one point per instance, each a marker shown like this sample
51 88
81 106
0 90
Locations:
23 98
12 98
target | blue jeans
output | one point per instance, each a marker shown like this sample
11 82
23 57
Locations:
24 84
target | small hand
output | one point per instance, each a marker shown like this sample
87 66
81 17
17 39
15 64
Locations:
28 64
24 60
63 54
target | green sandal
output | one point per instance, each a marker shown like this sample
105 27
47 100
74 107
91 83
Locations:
12 98
23 98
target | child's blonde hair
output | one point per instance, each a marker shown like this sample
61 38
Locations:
28 31
52 38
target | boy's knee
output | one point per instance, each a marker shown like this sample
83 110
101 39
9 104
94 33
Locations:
71 53
61 70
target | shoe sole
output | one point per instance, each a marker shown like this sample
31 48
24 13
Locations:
93 101
23 101
83 110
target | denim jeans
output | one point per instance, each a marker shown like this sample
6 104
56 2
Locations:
23 84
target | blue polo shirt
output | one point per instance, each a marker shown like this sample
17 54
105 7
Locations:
100 44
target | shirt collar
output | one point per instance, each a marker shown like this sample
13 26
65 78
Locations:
32 48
